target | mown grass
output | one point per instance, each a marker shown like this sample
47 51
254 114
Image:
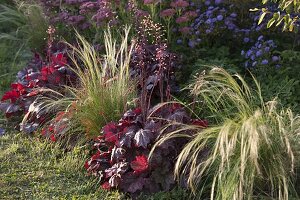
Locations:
35 169
31 169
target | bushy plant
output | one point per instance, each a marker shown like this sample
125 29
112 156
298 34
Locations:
121 158
36 80
261 54
248 150
105 89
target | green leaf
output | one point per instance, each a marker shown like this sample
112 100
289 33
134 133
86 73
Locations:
261 18
265 1
276 16
279 21
254 9
271 22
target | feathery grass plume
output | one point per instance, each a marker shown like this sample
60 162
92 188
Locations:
105 87
247 152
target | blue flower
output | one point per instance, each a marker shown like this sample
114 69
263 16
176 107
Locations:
260 38
192 43
264 62
242 52
248 54
218 2
179 41
275 58
233 15
267 49
208 21
220 17
258 53
246 40
207 3
208 31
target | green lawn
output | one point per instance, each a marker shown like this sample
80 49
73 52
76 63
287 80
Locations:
33 169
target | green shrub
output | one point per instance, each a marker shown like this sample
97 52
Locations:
248 150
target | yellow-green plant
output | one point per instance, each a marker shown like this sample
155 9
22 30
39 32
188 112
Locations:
105 87
249 148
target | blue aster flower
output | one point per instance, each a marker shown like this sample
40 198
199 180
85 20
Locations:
259 53
220 17
246 40
264 62
275 58
179 41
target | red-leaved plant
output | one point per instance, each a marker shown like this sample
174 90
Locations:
32 82
121 151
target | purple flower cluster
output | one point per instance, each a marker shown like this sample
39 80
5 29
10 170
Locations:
261 54
82 13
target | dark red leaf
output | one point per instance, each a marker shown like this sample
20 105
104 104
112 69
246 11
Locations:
13 95
140 164
199 122
53 138
105 186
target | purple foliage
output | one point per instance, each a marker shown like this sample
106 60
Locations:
121 158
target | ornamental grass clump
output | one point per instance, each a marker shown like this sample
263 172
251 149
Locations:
105 87
247 152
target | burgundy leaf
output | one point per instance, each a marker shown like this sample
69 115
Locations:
137 185
117 154
200 123
140 164
106 185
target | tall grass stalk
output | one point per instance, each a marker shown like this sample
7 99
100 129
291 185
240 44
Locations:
104 86
247 152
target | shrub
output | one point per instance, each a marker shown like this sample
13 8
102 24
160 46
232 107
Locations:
249 149
36 80
121 157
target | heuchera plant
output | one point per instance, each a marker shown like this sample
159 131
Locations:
152 63
33 82
121 151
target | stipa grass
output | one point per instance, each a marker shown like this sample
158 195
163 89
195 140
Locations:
248 152
105 87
